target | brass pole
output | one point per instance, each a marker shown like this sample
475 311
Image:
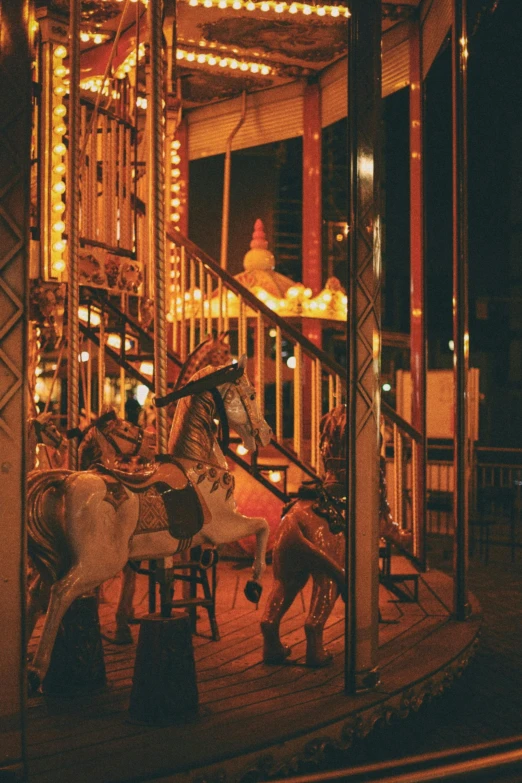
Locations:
73 210
156 205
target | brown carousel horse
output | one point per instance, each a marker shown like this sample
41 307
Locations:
310 542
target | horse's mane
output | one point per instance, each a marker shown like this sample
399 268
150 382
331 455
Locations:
214 350
89 451
333 434
192 433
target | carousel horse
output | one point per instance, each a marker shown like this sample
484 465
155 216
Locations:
46 446
311 542
108 441
84 526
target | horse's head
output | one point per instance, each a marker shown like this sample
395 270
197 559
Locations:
111 438
46 431
333 445
243 412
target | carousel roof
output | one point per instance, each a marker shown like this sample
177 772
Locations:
224 47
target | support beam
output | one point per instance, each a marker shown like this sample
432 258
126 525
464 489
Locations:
418 361
15 135
364 339
312 194
459 53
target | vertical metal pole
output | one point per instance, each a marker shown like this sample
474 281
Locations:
15 155
101 364
73 212
364 99
226 186
460 305
156 204
417 297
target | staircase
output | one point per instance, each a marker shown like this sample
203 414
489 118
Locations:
207 298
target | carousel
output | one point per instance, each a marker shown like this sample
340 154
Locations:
215 565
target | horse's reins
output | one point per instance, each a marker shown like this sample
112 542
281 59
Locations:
100 425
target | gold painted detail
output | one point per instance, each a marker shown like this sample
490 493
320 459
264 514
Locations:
115 494
152 517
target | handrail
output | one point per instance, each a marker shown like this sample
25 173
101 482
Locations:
105 302
404 425
256 304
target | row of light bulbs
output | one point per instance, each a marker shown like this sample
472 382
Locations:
276 6
209 58
58 160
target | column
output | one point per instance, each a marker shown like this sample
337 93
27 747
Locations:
418 347
461 461
312 202
15 132
364 338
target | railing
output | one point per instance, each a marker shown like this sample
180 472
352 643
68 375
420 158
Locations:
296 382
405 492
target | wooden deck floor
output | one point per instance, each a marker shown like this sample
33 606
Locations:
247 709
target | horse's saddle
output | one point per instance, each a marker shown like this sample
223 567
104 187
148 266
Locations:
168 500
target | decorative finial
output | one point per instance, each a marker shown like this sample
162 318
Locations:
259 257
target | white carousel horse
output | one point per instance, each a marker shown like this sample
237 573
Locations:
84 526
108 441
46 446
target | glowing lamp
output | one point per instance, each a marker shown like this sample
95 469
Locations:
59 265
59 187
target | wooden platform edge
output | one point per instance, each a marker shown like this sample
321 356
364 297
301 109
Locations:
311 752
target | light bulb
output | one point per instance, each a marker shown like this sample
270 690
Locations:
60 110
97 39
59 226
60 52
59 246
60 71
59 187
59 149
60 90
59 207
59 265
59 129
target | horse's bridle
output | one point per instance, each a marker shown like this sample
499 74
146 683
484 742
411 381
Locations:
101 423
56 439
247 395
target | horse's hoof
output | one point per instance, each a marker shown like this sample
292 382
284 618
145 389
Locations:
209 557
33 682
121 636
253 591
319 661
277 656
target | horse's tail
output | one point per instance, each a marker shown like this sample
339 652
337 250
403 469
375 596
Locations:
46 541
